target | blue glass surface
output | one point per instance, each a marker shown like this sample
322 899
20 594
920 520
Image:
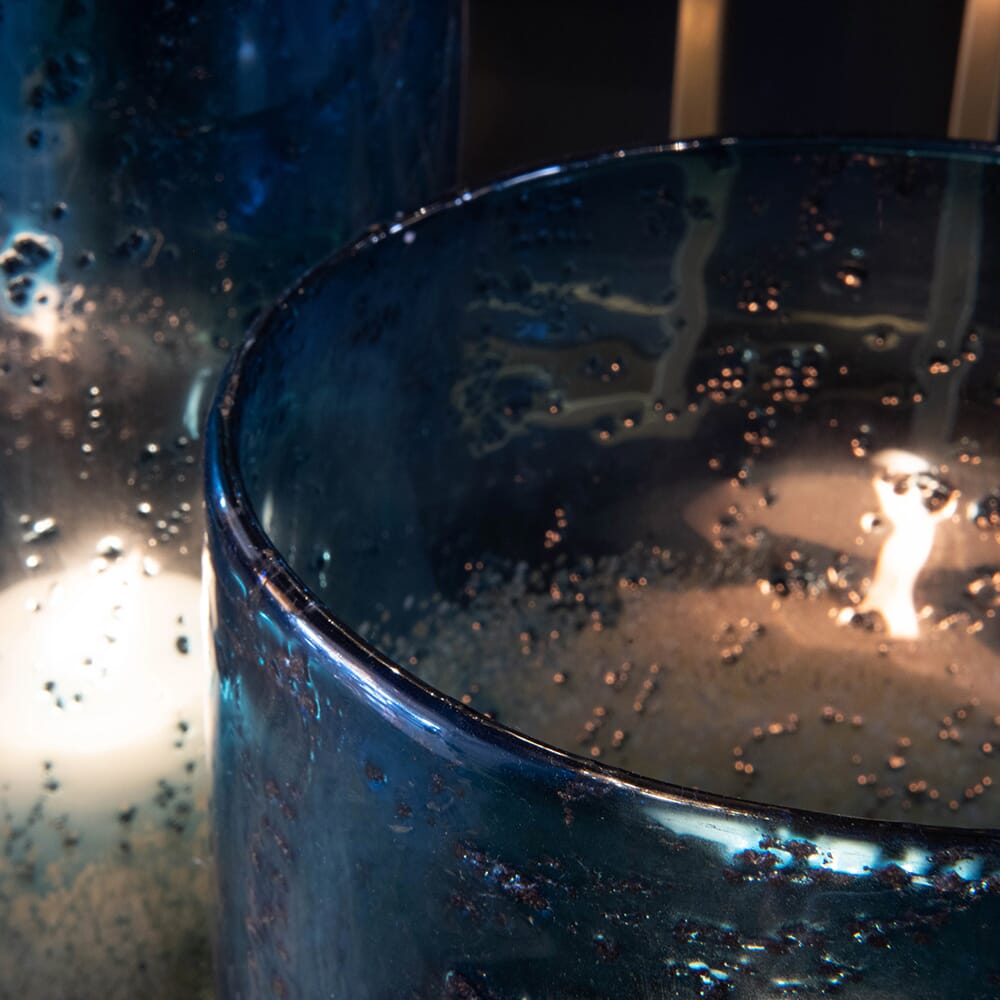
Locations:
166 168
377 838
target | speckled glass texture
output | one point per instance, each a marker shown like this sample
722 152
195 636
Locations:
380 839
166 168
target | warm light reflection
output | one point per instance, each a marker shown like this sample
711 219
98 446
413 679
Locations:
914 502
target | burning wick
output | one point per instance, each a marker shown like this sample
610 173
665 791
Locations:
914 501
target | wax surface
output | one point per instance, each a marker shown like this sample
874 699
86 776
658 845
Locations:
752 668
102 779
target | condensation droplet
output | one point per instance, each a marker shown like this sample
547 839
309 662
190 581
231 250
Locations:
110 547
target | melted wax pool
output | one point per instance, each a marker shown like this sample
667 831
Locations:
751 650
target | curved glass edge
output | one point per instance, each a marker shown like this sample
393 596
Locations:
233 523
348 814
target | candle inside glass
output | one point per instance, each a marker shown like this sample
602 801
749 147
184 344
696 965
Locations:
104 873
103 784
681 460
102 688
763 644
732 529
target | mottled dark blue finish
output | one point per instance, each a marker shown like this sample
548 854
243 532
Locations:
167 167
379 840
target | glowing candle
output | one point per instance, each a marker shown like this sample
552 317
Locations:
102 779
100 679
914 502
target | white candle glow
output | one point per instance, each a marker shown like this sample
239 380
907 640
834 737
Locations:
101 675
102 776
101 694
826 623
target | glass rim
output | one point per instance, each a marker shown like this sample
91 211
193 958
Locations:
425 706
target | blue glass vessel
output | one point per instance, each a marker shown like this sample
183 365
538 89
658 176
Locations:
166 168
455 422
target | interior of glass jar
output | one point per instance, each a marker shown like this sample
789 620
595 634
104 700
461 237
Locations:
478 436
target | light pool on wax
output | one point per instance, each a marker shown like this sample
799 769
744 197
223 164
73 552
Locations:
101 684
830 646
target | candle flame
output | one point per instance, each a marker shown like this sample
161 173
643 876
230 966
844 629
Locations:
914 501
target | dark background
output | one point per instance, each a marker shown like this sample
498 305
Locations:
547 78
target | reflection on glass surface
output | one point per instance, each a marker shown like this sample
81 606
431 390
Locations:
165 169
683 464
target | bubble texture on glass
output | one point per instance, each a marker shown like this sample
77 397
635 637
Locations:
662 460
166 168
